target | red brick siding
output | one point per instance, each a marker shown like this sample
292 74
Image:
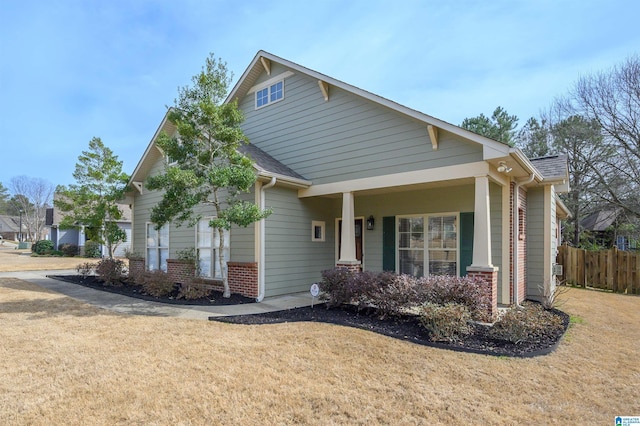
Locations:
491 278
522 243
181 271
243 278
136 267
350 267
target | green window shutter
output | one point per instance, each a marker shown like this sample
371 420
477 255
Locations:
466 241
389 243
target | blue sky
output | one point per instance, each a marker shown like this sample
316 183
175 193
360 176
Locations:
72 70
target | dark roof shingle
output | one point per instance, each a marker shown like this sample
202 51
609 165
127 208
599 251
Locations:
553 166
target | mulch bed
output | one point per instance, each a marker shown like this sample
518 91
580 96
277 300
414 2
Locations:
406 328
126 289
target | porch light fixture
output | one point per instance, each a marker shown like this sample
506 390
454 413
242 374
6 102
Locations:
370 223
502 168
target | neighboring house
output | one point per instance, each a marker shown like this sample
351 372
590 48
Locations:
607 229
77 236
359 181
10 228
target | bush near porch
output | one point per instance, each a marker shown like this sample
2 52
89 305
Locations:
446 306
394 294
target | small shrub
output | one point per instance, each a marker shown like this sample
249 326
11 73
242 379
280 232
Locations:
111 271
85 269
473 293
193 291
129 254
445 323
69 250
92 249
529 323
42 247
157 283
336 286
551 297
394 294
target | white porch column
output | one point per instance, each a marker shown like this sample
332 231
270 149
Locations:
482 225
348 237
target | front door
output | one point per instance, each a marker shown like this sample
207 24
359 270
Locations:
357 230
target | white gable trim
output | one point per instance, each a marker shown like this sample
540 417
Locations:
438 174
271 81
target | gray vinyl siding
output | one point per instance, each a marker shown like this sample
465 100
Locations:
184 236
535 240
143 203
293 262
347 137
67 236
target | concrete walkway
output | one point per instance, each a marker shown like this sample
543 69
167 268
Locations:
129 305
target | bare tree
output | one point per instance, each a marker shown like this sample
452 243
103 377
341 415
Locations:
34 196
612 99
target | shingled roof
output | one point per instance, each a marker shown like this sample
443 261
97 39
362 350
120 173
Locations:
267 163
551 167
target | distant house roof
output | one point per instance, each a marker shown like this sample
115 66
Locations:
54 215
551 167
600 220
9 224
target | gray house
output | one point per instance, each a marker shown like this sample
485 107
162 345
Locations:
359 181
77 235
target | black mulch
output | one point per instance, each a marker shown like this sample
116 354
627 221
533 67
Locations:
405 328
215 299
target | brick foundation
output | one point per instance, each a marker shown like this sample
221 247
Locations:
490 277
181 271
136 267
351 267
243 278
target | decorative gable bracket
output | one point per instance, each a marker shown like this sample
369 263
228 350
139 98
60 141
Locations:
324 88
138 186
266 64
433 135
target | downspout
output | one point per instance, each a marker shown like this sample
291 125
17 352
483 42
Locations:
261 264
516 237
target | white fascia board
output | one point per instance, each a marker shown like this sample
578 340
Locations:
439 174
522 159
150 146
270 82
299 183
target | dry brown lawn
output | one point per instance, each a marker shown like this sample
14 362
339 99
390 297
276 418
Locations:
20 260
65 362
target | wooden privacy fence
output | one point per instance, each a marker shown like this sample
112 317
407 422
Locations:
615 270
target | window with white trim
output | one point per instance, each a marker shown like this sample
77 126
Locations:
157 247
317 230
439 256
270 94
208 245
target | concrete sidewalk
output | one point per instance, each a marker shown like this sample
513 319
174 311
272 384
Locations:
129 305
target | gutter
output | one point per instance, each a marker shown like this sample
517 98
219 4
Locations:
261 262
516 237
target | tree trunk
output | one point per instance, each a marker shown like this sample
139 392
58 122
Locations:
223 264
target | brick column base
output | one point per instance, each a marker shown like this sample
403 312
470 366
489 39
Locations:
181 271
136 268
350 266
489 275
243 278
